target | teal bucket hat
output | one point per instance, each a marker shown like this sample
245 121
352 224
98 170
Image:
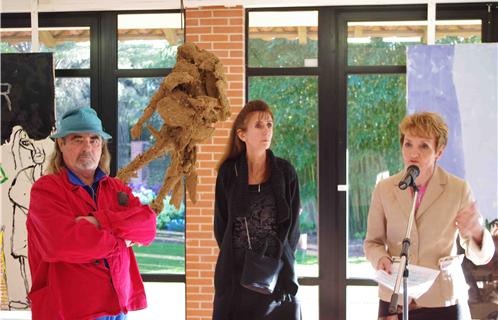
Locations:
78 121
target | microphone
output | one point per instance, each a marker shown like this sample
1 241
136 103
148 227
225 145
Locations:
411 174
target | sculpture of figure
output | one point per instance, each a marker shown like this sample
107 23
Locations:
190 100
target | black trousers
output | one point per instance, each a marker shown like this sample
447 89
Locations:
456 312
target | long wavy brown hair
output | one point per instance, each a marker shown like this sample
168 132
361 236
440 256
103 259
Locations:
236 146
56 162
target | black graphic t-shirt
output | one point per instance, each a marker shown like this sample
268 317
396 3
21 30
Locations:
261 223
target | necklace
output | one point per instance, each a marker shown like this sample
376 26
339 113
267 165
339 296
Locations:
259 183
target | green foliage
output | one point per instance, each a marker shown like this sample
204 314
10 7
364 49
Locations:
294 104
280 52
459 39
305 258
133 96
307 222
19 47
70 55
357 260
376 105
360 234
68 98
384 53
378 52
169 212
144 54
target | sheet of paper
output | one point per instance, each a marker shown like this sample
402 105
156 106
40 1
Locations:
420 279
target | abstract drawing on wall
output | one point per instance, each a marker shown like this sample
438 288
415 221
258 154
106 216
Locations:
461 83
28 117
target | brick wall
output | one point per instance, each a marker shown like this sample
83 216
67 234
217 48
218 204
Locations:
221 31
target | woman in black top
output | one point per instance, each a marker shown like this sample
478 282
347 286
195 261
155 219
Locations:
254 187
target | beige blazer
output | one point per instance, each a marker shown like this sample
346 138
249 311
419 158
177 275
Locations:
433 234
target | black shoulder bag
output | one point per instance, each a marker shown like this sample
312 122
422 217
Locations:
260 272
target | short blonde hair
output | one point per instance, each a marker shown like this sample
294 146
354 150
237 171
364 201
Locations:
427 125
56 162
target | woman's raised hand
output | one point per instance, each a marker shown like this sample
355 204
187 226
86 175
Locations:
469 223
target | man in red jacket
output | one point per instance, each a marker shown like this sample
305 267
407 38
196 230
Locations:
81 226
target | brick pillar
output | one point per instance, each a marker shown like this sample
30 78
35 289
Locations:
221 31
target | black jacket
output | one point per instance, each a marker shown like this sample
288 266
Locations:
232 200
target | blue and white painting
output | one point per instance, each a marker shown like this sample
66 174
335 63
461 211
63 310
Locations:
460 82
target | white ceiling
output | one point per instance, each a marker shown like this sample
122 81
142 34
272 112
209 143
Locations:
104 5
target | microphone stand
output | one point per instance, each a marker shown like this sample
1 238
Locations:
403 264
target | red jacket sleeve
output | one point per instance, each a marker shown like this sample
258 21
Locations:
58 236
134 221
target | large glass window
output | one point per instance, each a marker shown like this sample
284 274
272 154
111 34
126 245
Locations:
279 43
71 93
376 104
15 40
148 40
283 39
70 45
385 42
382 42
458 31
167 253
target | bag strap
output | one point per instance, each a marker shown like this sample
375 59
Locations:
248 236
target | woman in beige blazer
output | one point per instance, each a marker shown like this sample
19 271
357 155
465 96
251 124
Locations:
444 209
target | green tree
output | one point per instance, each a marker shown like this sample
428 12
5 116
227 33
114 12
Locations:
376 104
280 52
294 103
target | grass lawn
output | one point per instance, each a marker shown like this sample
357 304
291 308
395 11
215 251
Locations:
165 257
357 260
161 257
302 257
